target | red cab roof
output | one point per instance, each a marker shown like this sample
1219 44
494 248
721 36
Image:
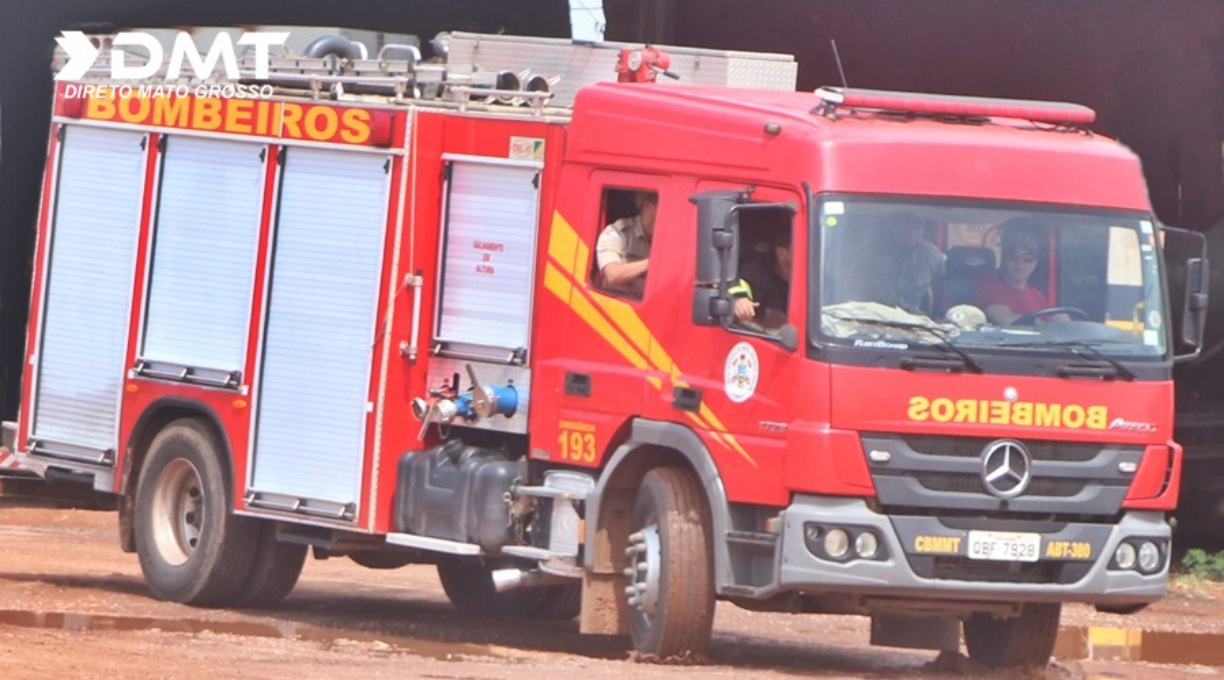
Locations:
786 138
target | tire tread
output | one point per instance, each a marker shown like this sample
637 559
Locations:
1025 640
685 616
274 570
217 570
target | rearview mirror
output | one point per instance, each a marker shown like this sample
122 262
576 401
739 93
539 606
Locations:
717 254
717 234
1191 245
1194 315
718 248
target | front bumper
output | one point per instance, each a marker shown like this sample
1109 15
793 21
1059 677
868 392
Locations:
904 571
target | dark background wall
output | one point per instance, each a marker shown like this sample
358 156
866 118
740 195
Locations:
1154 71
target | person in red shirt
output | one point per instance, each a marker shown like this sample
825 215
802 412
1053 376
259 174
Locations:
1008 296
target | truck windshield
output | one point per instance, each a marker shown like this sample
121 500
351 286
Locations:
969 276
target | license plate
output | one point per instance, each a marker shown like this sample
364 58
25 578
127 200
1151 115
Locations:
1004 546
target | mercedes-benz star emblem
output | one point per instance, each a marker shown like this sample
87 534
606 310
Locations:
1006 468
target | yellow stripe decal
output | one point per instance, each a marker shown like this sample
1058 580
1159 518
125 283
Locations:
563 244
579 258
618 324
580 304
555 281
629 323
702 425
709 415
661 359
740 450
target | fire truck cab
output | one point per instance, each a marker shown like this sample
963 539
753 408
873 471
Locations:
899 355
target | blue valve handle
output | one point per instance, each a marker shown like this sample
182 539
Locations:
507 402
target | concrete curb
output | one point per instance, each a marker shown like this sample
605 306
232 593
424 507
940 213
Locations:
1130 644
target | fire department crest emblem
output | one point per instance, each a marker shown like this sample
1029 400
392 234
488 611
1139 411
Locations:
741 372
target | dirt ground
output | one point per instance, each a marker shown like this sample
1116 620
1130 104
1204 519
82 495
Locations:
73 605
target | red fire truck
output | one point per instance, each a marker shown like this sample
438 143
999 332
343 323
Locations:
356 307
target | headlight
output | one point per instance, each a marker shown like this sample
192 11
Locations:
837 543
1149 557
867 545
1124 556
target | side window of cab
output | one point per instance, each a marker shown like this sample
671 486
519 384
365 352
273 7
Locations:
761 296
622 247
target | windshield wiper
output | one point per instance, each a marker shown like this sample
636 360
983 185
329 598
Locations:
1084 350
945 342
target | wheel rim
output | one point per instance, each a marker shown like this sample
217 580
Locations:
178 512
643 571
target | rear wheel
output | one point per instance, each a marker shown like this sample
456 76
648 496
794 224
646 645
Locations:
469 586
1024 640
192 548
671 574
274 571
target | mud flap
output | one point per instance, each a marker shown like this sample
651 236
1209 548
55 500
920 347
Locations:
604 608
916 632
604 611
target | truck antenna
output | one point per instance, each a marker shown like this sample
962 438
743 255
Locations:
837 58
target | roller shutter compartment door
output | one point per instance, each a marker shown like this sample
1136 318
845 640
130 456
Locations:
492 213
203 266
87 304
318 346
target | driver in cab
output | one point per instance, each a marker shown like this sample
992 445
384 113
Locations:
764 287
1007 296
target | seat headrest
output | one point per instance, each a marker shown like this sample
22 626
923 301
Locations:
970 260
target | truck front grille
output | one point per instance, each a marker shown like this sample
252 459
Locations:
970 484
936 475
971 447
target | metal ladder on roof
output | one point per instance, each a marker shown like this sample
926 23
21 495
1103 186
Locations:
477 69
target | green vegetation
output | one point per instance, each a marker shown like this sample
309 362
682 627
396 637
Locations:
1204 565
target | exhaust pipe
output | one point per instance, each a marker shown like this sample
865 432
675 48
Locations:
508 579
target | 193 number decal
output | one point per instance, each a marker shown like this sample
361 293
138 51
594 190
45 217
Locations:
578 447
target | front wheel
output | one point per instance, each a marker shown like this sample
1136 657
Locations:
192 548
670 572
1023 640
